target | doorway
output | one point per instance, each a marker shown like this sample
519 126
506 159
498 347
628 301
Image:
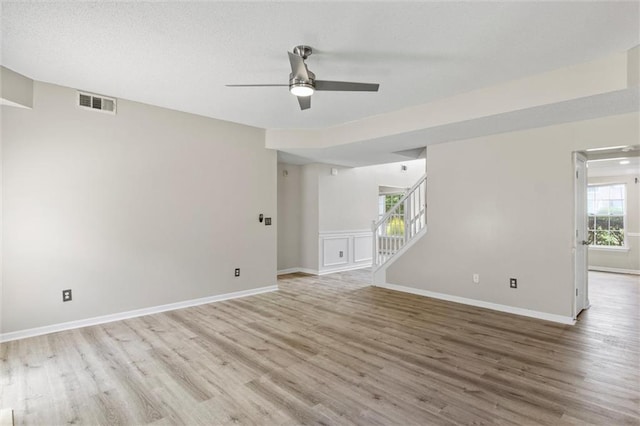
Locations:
581 243
607 202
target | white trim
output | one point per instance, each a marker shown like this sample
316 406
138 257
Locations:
580 258
633 234
482 304
343 268
345 241
404 248
621 249
366 257
38 331
344 260
328 265
288 271
296 270
614 270
343 233
324 271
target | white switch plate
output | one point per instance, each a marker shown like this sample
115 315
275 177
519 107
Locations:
476 278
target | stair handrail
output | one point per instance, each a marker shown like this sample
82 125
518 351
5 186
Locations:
386 246
387 215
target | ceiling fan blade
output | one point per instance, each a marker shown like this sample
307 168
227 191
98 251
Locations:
346 86
298 69
304 101
255 85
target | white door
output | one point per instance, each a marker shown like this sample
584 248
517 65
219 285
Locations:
581 245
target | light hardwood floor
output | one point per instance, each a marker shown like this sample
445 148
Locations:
332 350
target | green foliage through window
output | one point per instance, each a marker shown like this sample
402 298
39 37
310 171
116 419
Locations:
395 223
392 200
395 226
606 214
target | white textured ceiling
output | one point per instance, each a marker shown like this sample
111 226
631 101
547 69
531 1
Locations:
180 55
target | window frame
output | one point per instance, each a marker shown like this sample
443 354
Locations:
624 246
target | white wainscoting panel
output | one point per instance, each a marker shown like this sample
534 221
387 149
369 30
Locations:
355 246
362 248
335 251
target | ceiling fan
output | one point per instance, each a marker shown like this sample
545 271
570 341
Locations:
302 82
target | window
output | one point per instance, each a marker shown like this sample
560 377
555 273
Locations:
606 214
395 225
386 202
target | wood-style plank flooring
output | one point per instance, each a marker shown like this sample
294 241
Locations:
332 350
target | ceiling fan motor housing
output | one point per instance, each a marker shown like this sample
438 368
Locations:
296 84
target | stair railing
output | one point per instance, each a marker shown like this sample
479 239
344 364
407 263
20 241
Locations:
400 224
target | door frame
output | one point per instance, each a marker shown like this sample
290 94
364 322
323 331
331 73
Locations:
580 261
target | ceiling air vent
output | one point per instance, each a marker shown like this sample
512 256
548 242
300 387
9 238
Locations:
96 102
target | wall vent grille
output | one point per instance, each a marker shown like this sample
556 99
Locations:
96 102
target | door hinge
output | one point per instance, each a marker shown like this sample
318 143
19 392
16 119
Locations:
576 174
576 291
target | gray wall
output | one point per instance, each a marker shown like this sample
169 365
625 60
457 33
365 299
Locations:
289 218
15 89
147 207
309 217
502 206
617 259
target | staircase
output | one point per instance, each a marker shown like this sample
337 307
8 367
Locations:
399 228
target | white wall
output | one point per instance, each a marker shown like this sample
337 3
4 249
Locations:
502 207
623 260
289 220
147 207
349 200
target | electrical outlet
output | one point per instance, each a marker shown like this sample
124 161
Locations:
476 278
341 254
66 295
513 283
237 272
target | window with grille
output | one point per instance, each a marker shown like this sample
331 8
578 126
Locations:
395 224
606 215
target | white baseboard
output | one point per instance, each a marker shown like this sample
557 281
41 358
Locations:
614 270
326 271
288 271
482 304
38 331
296 270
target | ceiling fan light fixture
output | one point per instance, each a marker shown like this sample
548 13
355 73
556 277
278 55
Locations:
301 89
303 83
